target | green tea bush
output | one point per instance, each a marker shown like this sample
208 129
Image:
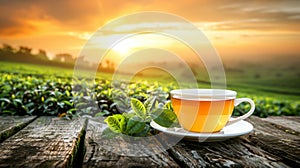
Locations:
266 106
23 94
46 94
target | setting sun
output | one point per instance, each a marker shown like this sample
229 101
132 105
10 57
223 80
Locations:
234 28
125 47
134 43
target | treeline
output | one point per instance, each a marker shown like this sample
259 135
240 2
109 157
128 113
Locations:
24 54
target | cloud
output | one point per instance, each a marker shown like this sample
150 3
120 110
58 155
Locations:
73 15
61 25
262 15
17 16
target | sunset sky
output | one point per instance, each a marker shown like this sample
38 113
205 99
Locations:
238 29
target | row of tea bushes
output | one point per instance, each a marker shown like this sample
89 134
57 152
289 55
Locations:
46 94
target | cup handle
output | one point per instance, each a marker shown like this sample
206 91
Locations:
248 114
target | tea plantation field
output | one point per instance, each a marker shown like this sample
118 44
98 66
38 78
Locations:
39 90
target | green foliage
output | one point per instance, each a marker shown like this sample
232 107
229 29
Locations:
117 123
164 117
266 106
138 108
32 90
136 123
38 92
134 126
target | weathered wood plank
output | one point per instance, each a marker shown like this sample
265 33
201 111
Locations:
266 146
290 124
46 142
276 138
10 125
230 153
116 152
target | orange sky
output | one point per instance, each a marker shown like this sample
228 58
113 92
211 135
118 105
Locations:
240 30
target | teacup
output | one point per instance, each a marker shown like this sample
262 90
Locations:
207 110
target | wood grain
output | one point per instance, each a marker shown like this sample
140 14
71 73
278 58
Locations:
266 146
120 152
289 124
230 153
277 138
54 142
46 142
9 125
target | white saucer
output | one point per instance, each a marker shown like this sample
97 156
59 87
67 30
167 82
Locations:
237 129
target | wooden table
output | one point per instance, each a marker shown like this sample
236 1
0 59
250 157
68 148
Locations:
54 142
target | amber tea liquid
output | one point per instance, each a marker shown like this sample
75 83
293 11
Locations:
202 115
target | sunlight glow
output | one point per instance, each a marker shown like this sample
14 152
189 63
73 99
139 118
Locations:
125 47
81 35
141 41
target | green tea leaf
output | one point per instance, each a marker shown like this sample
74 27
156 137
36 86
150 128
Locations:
116 123
144 132
5 100
17 102
68 103
134 126
138 108
168 105
102 113
148 119
9 112
6 88
128 115
165 117
149 104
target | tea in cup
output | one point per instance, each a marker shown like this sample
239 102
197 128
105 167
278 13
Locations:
207 110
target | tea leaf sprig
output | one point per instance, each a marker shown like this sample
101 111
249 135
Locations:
136 122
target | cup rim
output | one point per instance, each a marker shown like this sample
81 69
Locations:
211 94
